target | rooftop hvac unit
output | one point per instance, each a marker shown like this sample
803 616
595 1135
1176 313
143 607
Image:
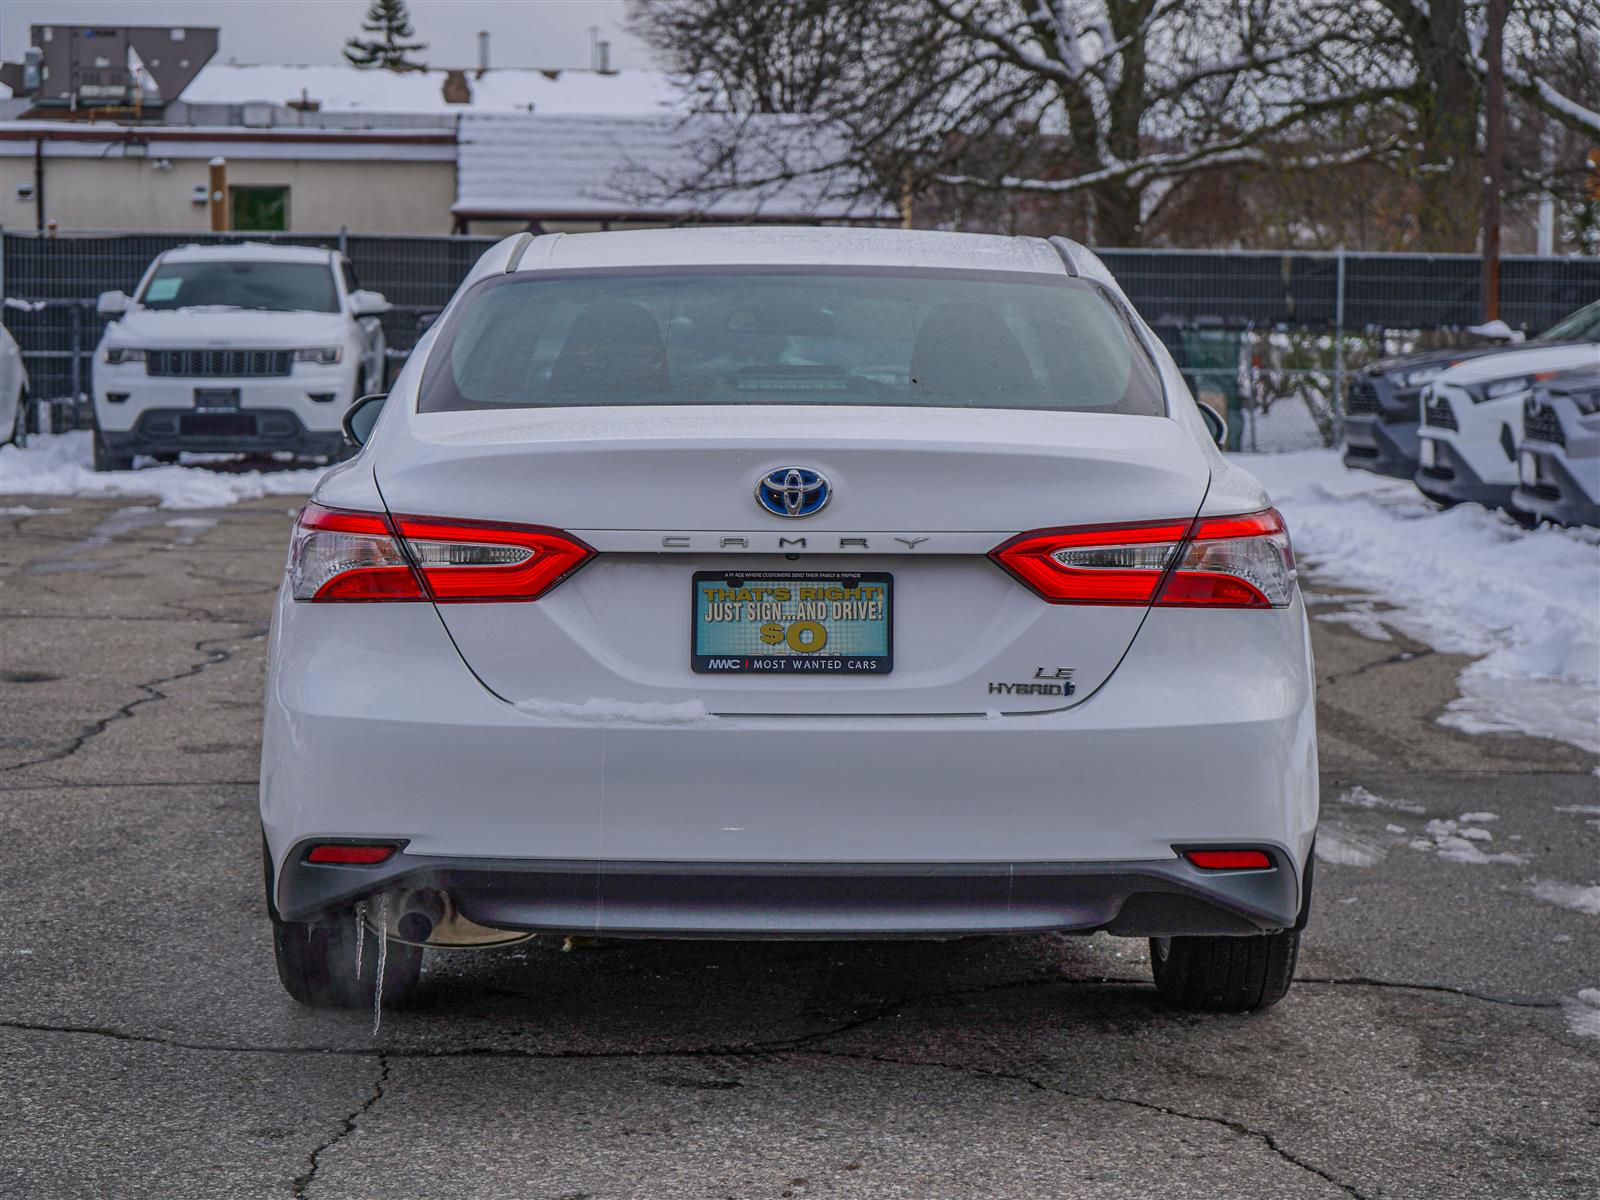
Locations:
108 66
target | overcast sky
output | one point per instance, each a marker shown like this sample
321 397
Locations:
526 33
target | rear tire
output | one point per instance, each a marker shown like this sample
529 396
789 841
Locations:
1224 974
106 459
317 959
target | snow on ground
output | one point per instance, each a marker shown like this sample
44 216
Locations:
1360 797
1524 603
1463 844
1569 895
63 465
1583 1014
1346 848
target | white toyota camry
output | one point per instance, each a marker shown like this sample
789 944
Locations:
814 583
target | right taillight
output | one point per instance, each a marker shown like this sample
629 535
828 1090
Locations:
360 556
1217 562
1234 562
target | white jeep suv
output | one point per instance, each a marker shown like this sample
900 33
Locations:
245 348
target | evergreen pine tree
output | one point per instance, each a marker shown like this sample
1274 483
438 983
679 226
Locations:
390 20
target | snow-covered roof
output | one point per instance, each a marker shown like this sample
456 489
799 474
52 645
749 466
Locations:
599 167
779 245
500 89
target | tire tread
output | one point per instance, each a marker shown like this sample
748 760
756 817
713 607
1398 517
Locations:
1226 974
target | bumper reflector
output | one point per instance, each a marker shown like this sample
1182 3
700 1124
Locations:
349 855
1229 860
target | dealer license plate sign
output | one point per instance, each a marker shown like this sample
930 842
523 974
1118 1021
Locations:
792 622
216 399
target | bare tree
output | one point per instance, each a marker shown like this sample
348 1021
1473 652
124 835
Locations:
1553 49
1109 101
1433 50
754 57
1110 117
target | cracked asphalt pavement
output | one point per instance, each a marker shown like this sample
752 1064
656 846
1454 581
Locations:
146 1048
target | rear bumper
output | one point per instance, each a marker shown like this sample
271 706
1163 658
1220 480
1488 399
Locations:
651 899
375 730
250 430
1384 449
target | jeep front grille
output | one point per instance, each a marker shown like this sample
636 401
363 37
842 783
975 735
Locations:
218 364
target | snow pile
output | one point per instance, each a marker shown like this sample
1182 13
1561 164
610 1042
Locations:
1360 797
1466 581
1456 842
1583 1014
1568 895
616 712
1583 810
62 465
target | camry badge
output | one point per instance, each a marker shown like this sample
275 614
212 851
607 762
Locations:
793 492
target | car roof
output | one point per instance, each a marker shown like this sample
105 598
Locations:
249 252
811 246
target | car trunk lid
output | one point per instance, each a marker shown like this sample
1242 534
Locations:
919 497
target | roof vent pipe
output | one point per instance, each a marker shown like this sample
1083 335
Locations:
483 50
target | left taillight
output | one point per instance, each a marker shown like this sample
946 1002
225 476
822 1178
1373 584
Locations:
350 556
1218 562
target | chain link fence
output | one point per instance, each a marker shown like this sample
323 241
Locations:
1269 336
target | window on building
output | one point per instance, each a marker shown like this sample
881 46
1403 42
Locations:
259 208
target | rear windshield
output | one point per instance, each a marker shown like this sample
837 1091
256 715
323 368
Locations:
945 340
270 286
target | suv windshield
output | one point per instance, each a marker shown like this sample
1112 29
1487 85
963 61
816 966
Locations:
1581 326
768 336
273 286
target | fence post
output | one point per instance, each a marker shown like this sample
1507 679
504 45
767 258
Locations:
1338 341
344 235
77 351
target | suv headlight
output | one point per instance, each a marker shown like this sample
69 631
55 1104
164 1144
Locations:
1586 402
1481 393
1421 376
116 355
323 356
